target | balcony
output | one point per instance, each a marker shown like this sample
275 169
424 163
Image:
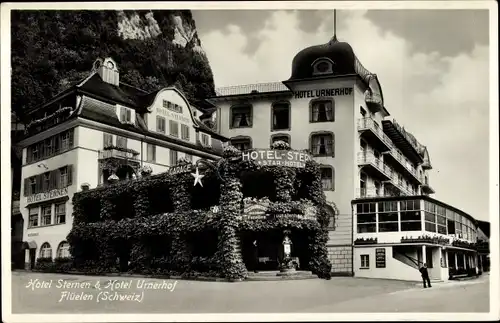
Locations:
402 139
362 193
119 153
374 166
397 186
426 188
374 134
400 163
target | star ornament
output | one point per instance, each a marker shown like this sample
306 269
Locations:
197 177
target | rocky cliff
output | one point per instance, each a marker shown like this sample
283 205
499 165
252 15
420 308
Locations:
153 48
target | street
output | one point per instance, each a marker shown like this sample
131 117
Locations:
58 294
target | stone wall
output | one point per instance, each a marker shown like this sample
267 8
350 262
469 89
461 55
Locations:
341 258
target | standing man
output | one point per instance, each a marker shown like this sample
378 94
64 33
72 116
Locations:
255 255
425 275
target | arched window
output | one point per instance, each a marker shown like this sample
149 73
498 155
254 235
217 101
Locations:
322 144
63 250
45 251
327 177
322 110
280 116
331 217
322 66
281 137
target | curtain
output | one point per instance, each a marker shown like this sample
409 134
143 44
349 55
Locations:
315 112
316 145
329 111
236 120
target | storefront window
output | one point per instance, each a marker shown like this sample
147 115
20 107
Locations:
366 217
410 215
388 216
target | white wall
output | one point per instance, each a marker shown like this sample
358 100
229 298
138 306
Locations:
395 269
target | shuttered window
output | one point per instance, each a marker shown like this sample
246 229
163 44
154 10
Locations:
51 146
56 179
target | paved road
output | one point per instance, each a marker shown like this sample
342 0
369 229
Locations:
339 295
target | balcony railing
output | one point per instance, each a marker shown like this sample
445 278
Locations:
370 124
251 88
370 192
402 160
116 153
395 181
369 158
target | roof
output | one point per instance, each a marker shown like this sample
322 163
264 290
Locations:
485 227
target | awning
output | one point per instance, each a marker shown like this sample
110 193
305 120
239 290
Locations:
29 244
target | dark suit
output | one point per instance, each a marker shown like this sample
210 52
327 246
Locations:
425 276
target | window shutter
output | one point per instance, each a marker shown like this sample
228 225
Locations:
39 181
70 174
71 138
26 185
57 180
57 143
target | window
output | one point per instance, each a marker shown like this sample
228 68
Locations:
184 132
388 216
327 178
151 153
430 216
281 116
63 250
172 106
242 143
322 66
125 114
365 261
46 182
241 116
60 213
173 157
280 137
121 142
331 217
45 251
322 110
63 177
205 139
366 217
322 144
47 215
173 128
107 140
410 215
50 146
160 124
33 217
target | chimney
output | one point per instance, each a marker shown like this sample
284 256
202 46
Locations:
107 70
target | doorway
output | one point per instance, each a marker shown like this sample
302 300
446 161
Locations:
32 258
268 252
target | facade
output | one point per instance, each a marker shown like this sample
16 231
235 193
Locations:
97 132
393 237
333 108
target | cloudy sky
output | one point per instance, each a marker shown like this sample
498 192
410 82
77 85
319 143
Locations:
432 64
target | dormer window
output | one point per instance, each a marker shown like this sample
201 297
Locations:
126 115
322 66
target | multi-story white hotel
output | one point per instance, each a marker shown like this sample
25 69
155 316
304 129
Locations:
100 130
375 172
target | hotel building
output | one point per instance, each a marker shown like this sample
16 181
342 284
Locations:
98 131
375 174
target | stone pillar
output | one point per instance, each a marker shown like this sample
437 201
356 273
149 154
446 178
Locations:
456 261
424 254
465 261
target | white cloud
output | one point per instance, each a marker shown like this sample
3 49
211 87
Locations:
443 101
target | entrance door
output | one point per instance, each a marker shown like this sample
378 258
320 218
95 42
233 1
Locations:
267 253
32 258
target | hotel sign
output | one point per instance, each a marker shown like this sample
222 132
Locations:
186 168
41 197
268 157
322 93
172 115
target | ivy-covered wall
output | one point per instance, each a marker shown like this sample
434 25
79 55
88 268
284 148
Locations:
164 224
